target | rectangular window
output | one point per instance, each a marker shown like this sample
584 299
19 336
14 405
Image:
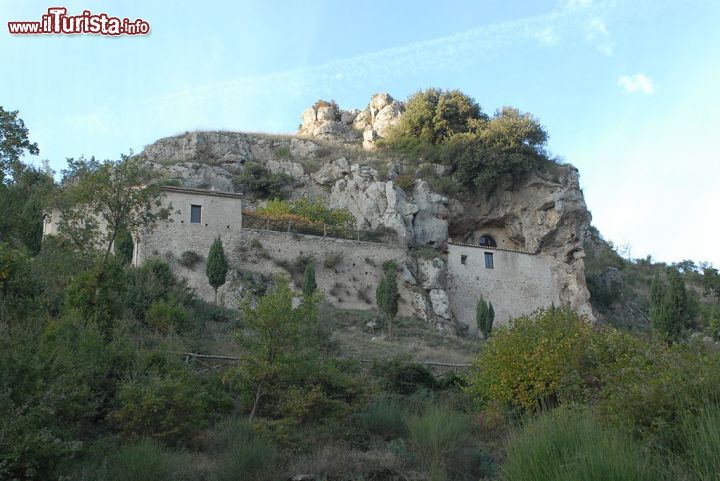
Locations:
195 214
463 259
489 261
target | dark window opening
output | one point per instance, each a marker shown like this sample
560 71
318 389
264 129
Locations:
486 240
489 261
195 211
463 259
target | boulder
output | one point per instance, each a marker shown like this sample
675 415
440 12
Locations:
440 303
432 273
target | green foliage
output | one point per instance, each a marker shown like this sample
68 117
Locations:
124 247
406 182
144 460
701 436
217 266
437 436
13 143
244 454
308 210
401 377
536 361
387 294
433 116
670 306
98 294
262 183
484 316
309 284
119 195
23 203
190 259
384 417
568 444
273 341
171 407
165 317
451 128
650 388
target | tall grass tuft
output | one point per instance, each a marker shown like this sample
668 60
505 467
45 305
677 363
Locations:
702 441
568 444
145 460
437 436
384 417
242 453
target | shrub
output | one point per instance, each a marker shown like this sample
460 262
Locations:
283 152
568 444
535 361
650 391
406 182
701 436
384 417
262 183
171 408
166 317
332 260
144 460
437 436
124 247
243 453
190 259
403 378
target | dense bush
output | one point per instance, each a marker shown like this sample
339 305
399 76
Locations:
190 259
263 184
535 361
401 377
569 444
384 417
164 316
144 460
171 407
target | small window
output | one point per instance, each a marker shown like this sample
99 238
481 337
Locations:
486 240
489 261
195 215
463 259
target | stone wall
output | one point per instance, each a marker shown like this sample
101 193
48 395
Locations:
518 283
347 271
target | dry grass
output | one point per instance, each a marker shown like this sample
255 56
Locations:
339 461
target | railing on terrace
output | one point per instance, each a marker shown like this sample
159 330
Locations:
259 222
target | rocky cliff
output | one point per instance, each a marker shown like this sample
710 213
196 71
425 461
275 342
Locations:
334 156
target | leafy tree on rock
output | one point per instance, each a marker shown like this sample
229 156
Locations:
217 266
387 295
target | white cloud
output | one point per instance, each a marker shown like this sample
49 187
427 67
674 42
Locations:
596 32
548 36
637 83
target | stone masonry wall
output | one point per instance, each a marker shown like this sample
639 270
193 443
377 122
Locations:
518 284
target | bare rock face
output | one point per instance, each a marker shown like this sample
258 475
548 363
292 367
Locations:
545 214
347 126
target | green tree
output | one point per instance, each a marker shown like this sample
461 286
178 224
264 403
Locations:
100 199
217 266
309 284
272 341
13 143
670 305
433 116
124 247
387 295
484 316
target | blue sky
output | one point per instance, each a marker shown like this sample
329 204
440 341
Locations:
628 89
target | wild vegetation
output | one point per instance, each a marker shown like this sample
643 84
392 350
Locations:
98 380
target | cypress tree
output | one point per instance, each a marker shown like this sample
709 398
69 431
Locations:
387 294
484 316
670 307
309 284
217 266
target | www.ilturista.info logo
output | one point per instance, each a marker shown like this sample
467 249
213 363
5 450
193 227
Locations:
57 21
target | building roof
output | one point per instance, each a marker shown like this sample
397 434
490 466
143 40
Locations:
191 191
478 246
